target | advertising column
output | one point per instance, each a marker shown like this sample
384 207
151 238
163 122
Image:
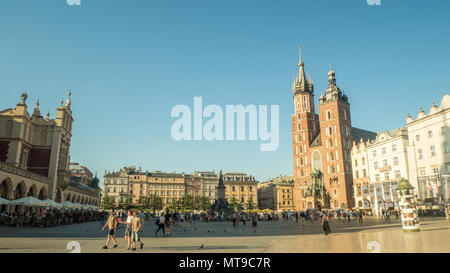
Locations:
410 219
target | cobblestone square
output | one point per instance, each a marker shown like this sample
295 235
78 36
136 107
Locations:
271 237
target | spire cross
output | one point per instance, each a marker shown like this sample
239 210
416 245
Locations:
37 104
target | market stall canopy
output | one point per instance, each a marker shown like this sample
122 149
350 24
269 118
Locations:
29 201
51 203
4 201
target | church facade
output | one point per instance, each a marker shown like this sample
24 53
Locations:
322 144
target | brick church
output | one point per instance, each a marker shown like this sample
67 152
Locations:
322 145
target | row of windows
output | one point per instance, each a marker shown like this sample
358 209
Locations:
162 186
364 173
363 159
387 175
433 150
167 193
384 150
435 171
386 163
233 188
443 131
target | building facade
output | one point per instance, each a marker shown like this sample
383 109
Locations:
277 194
429 154
322 145
378 166
242 188
116 186
34 154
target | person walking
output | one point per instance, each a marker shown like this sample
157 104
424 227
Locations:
161 224
303 217
136 226
348 216
128 224
254 221
325 224
360 217
111 223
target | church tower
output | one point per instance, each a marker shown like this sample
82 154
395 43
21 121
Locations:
305 128
336 138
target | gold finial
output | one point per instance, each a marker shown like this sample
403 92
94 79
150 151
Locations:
300 61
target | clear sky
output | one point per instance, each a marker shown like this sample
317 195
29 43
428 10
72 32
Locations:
128 62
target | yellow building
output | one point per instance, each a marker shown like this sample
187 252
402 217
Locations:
241 187
170 187
277 194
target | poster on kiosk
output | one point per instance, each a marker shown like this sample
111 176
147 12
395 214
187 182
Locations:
410 219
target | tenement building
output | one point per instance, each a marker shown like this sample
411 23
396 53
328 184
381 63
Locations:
168 187
277 194
241 188
378 166
321 145
429 153
115 185
34 152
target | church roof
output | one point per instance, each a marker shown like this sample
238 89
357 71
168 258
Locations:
364 134
317 141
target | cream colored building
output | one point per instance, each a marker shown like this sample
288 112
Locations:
429 153
378 166
115 185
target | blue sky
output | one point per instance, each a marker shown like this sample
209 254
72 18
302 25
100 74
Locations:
129 62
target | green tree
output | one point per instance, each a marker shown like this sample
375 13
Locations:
107 203
250 204
234 203
173 205
188 202
204 203
156 202
143 203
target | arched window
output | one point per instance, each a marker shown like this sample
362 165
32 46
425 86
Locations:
299 126
301 149
328 114
333 170
330 130
330 142
301 161
332 155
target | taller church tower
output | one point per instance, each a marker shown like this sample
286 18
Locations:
305 128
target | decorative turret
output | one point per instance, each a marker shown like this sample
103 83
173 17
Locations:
333 92
37 112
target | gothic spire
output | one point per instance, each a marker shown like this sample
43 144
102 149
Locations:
301 71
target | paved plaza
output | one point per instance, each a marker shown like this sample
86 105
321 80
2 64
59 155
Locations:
271 237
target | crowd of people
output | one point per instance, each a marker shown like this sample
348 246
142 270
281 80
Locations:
48 218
